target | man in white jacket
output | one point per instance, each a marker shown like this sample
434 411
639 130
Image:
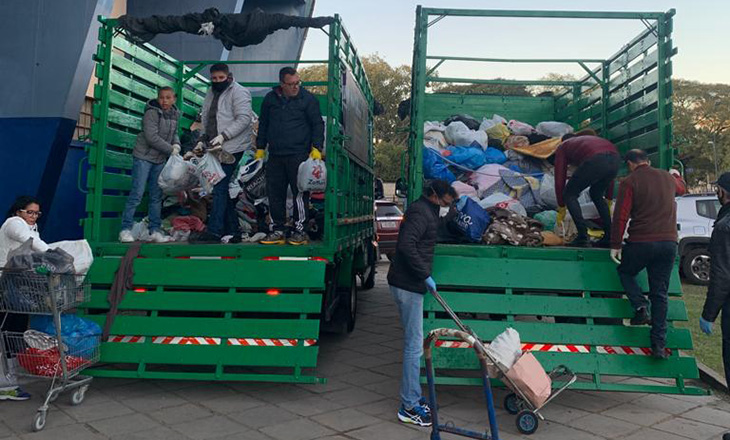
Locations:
227 123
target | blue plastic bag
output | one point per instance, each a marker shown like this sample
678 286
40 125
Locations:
472 219
81 336
435 168
493 155
471 157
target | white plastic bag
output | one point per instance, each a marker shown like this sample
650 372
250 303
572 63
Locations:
80 250
520 128
547 192
177 175
499 119
433 126
505 202
434 139
487 124
209 172
312 176
506 348
553 128
458 134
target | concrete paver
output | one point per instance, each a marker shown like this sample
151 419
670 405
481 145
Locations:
358 402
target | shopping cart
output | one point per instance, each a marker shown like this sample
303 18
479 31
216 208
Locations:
528 414
40 355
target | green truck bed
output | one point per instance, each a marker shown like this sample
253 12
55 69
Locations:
567 304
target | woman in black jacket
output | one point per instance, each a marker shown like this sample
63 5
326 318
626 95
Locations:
409 277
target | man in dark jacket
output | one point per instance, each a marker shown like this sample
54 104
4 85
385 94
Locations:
598 162
646 197
718 292
291 126
409 278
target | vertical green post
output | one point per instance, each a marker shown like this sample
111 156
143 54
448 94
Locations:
605 74
664 147
179 88
331 202
107 38
418 91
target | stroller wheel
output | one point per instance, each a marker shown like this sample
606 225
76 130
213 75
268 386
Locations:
512 403
527 422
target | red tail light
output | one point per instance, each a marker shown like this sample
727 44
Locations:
273 292
140 290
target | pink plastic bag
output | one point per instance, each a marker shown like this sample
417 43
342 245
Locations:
464 189
520 128
529 377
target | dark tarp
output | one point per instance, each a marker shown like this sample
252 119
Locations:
232 29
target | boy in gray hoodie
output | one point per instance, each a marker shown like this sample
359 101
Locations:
155 143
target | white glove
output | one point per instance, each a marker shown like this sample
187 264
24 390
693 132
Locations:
175 149
217 141
616 255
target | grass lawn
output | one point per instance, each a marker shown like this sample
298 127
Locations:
708 349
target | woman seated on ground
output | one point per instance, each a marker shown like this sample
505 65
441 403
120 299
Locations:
17 229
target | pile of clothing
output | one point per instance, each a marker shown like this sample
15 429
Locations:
502 168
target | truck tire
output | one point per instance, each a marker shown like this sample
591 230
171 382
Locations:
369 281
349 306
696 266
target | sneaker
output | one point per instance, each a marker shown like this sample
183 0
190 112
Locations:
298 238
257 237
158 237
126 236
205 238
641 317
15 393
276 237
424 404
415 416
659 352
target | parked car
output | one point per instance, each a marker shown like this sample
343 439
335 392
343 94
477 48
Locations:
387 222
695 216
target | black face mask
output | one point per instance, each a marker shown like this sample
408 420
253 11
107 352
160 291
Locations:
219 86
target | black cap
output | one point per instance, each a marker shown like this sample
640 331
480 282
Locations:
724 181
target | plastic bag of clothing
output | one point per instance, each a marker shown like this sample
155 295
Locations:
177 175
520 128
503 201
435 168
234 185
81 336
434 139
81 252
547 192
50 261
470 122
458 134
513 229
548 219
497 118
464 189
209 172
469 157
553 128
253 179
312 176
506 348
493 155
516 141
471 219
487 124
47 363
485 177
433 126
499 131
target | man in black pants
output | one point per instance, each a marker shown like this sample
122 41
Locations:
291 126
646 197
598 162
718 292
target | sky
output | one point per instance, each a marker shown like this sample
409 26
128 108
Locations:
701 34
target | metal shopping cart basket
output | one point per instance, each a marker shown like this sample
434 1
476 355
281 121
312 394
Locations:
40 355
528 413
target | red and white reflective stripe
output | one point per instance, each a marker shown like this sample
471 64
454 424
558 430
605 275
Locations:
185 340
256 342
641 351
205 258
126 339
557 348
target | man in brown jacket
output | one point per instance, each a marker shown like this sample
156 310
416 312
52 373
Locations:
646 197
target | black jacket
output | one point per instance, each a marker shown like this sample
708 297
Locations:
719 290
290 125
413 260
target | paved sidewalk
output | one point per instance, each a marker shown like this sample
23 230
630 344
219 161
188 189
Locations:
358 402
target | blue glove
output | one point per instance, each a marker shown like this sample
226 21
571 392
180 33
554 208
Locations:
461 203
431 284
705 326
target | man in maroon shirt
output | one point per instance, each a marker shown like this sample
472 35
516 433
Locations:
598 162
646 197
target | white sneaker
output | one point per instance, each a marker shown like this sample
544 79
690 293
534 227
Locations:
126 236
157 237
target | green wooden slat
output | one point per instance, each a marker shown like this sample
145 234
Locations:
119 138
114 159
634 89
188 375
646 141
210 327
632 108
216 273
553 333
598 276
209 355
583 363
113 249
140 72
633 51
528 109
125 120
112 180
643 122
193 97
544 305
156 59
648 63
130 85
112 204
127 102
212 301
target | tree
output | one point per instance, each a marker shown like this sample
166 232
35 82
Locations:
701 116
388 160
536 90
482 89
